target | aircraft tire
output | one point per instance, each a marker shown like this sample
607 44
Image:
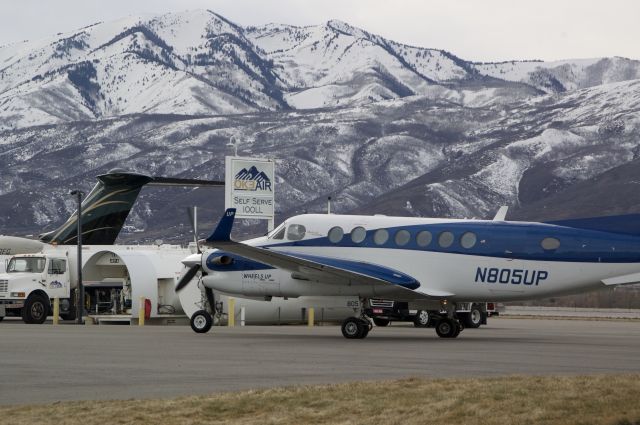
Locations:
354 328
381 322
459 328
447 328
35 309
421 319
1 318
201 321
366 327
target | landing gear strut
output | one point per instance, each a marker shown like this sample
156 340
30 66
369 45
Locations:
357 327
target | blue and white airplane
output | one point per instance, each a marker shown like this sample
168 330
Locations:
431 264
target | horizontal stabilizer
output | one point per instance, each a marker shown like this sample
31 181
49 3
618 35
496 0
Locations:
623 224
173 181
626 279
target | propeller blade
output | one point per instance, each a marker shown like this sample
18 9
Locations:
192 212
188 276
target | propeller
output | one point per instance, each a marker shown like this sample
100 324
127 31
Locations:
186 278
192 212
193 261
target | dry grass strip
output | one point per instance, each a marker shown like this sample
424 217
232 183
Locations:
575 400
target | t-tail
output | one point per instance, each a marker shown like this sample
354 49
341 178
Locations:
106 208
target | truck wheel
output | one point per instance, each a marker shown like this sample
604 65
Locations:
67 310
421 319
381 322
473 319
35 309
201 321
69 315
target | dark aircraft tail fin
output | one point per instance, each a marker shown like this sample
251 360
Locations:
106 207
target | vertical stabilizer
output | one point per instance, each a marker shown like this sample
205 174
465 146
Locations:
104 210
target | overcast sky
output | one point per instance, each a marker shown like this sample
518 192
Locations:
482 30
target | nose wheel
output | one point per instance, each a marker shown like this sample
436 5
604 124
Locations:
355 328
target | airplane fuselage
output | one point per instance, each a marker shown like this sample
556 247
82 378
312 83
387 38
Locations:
454 259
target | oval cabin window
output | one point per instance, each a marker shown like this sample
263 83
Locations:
445 240
358 234
336 234
402 237
381 236
468 240
550 243
423 238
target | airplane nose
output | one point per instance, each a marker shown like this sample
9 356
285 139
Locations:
192 260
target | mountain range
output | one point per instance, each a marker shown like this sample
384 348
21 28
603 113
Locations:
379 126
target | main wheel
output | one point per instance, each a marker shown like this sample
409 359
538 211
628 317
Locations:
447 328
201 321
1 318
355 328
473 319
366 327
421 319
35 309
379 321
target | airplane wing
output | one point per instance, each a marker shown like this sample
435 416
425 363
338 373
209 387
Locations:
320 268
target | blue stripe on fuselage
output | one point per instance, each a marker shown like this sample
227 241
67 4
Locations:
505 240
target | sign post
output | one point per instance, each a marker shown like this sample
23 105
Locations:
249 187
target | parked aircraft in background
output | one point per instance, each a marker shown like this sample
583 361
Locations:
104 211
432 264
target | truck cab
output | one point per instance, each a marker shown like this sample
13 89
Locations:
29 284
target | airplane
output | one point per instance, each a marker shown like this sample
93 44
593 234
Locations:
430 263
104 212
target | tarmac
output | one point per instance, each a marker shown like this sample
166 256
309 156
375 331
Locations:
46 363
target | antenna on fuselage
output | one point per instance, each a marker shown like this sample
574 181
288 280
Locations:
501 214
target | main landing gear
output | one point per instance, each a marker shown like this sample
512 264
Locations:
356 327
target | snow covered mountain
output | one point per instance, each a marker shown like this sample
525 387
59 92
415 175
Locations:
379 126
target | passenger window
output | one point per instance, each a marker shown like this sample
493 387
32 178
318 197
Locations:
402 237
550 243
358 234
445 240
381 236
279 234
335 234
423 238
468 240
295 232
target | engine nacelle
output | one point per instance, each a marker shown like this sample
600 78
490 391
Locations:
222 260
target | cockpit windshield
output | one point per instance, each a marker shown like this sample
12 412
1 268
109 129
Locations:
26 265
278 233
